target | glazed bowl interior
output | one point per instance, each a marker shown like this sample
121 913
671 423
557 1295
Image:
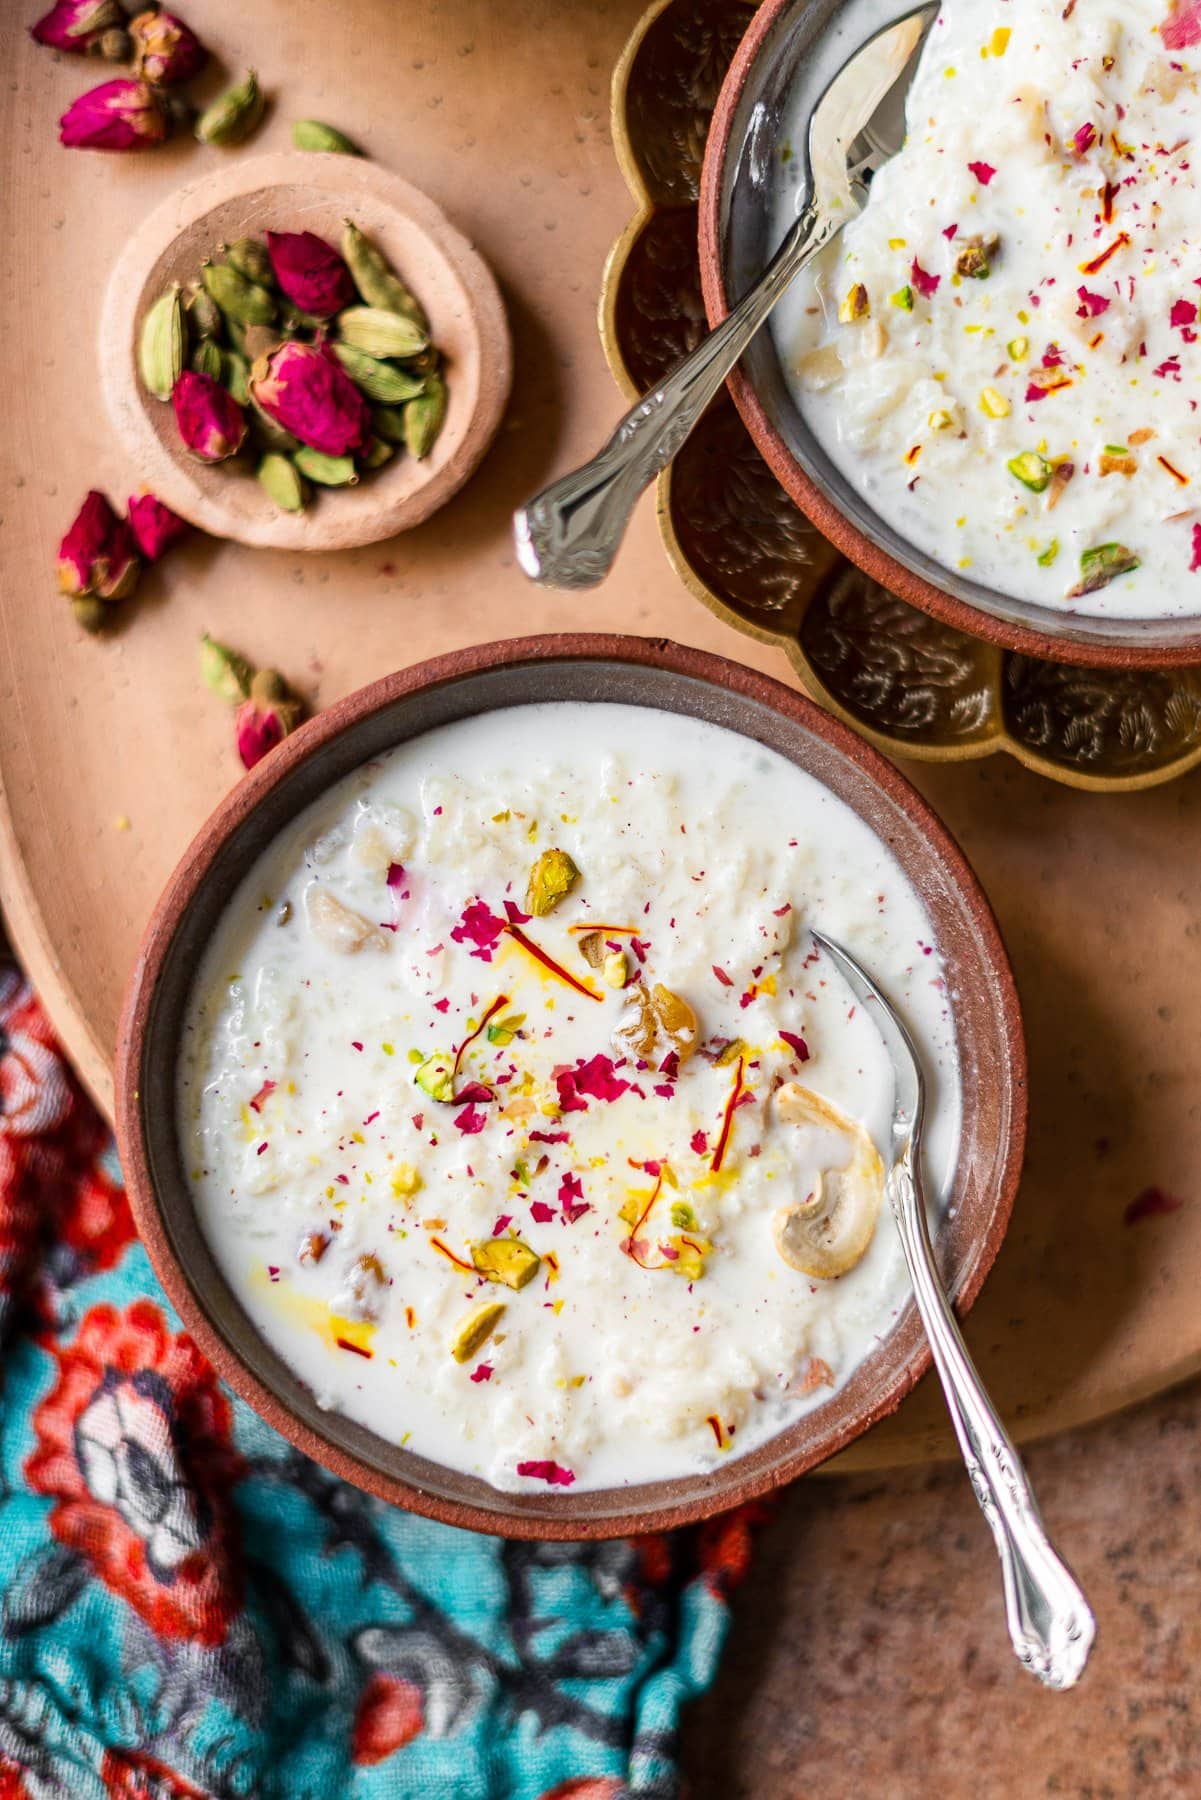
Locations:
580 670
789 55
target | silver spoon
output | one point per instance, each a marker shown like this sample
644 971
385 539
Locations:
1050 1622
568 535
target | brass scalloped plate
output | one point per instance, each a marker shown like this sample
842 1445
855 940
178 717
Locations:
910 685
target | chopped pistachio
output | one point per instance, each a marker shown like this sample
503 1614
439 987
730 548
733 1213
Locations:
592 949
729 1056
902 298
551 878
1031 469
994 404
1100 565
1047 557
405 1181
436 1076
503 1031
974 257
1018 348
473 1331
682 1216
689 1261
506 1260
940 419
855 305
616 969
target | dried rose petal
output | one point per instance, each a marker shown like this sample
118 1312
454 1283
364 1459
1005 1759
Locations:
983 172
925 283
480 926
592 1080
1091 305
304 388
1182 27
117 115
1195 564
551 1472
211 423
166 51
154 525
98 555
310 272
76 25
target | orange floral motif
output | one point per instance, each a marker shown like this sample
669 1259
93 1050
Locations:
134 1445
389 1715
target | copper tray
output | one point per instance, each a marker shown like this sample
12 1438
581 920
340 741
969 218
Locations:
913 686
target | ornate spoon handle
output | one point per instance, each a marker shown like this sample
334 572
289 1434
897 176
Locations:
568 535
1050 1622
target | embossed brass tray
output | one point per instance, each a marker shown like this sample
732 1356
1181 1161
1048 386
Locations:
912 685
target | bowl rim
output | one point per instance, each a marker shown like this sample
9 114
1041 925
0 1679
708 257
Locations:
236 808
1083 647
376 513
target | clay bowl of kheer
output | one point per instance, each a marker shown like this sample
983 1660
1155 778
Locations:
293 191
580 669
791 50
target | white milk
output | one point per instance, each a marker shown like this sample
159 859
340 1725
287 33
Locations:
718 854
1082 344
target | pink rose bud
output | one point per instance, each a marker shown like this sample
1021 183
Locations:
154 526
98 556
266 718
211 423
310 272
77 26
117 115
304 388
165 50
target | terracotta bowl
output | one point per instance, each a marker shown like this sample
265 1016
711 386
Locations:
293 191
797 46
579 668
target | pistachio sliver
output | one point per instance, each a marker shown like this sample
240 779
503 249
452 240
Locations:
552 877
436 1076
473 1331
1031 469
506 1260
1100 565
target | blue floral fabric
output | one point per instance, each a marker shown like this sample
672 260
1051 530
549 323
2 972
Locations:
192 1608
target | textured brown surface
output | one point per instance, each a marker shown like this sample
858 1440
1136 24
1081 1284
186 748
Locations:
868 1658
577 668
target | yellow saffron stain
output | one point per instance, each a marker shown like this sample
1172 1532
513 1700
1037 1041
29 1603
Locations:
306 1310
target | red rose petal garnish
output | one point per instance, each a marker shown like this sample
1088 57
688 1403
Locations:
514 914
983 172
1091 305
470 1121
552 1137
551 1472
1182 27
1196 562
502 1224
700 1143
1184 312
595 1079
482 1372
1083 138
796 1043
541 1213
480 926
925 283
726 980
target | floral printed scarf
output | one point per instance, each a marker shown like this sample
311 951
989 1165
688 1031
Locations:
192 1608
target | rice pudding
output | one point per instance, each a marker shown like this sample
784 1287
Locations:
521 1114
1000 353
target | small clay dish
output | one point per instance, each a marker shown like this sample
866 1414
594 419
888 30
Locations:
581 669
791 50
293 191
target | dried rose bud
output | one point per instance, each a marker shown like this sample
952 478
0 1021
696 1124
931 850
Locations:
211 422
266 718
117 115
304 388
77 26
310 272
154 525
98 556
165 50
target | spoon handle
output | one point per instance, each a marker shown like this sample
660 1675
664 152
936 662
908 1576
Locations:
1050 1622
568 535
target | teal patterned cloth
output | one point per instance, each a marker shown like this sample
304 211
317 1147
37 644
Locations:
192 1608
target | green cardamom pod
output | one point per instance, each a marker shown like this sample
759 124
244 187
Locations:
378 380
268 435
235 373
295 321
162 344
326 471
208 358
424 417
377 453
89 612
203 313
313 134
224 670
376 279
282 480
389 422
381 332
233 115
238 298
249 257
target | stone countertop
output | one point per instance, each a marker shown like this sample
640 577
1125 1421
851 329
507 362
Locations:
868 1656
